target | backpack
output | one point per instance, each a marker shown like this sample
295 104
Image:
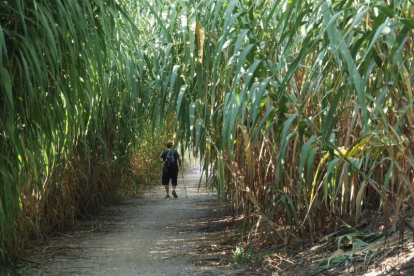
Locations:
170 163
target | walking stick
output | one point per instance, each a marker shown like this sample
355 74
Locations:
185 188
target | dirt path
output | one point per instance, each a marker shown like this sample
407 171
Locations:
145 236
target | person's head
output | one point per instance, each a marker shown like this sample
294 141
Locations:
169 144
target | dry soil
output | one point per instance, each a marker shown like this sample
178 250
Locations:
146 235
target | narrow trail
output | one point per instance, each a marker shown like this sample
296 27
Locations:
148 235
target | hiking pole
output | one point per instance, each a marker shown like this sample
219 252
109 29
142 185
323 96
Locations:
185 188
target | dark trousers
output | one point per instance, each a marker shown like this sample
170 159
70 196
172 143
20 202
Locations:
167 175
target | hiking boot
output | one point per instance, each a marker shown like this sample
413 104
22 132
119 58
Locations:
174 194
167 197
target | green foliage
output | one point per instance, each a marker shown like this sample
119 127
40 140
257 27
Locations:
145 161
302 110
70 107
309 98
242 257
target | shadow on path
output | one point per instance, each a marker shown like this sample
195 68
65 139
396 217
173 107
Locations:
147 235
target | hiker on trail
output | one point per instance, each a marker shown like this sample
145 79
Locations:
171 159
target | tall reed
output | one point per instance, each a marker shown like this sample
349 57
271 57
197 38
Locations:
69 113
303 108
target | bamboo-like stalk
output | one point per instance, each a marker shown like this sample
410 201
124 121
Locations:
303 109
323 86
69 113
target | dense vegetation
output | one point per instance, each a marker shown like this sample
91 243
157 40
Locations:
69 113
303 109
